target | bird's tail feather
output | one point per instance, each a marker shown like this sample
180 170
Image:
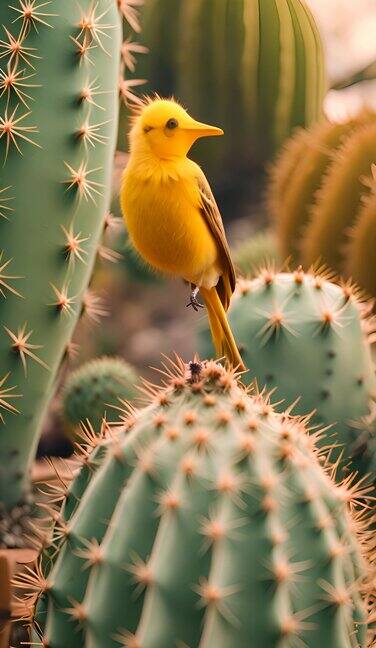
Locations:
223 338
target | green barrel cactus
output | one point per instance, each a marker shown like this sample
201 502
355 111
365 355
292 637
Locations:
255 68
95 389
210 505
255 252
59 68
299 173
339 199
306 338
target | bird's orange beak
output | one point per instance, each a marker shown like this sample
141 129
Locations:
198 129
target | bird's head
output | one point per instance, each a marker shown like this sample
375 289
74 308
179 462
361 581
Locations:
167 129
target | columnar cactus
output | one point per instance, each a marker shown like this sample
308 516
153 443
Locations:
256 68
299 173
306 338
95 389
210 505
59 67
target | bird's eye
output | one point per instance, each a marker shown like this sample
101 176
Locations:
172 123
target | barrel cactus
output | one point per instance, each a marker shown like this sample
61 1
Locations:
95 389
339 199
59 67
306 338
361 250
301 168
255 68
211 504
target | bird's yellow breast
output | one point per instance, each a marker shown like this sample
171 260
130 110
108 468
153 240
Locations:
162 213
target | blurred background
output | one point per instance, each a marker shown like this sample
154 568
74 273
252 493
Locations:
137 315
348 30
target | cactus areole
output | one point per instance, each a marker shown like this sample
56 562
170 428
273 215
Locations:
208 522
59 65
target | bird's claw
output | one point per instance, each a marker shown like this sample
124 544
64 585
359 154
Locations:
193 301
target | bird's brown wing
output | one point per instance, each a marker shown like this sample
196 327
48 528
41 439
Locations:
212 216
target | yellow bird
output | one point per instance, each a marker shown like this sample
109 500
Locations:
171 215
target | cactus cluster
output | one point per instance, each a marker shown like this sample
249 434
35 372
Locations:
317 193
255 68
209 505
307 339
95 390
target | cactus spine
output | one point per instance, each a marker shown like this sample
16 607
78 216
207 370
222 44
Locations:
306 338
211 504
255 68
59 69
95 389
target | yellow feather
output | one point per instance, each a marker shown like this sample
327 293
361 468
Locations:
164 222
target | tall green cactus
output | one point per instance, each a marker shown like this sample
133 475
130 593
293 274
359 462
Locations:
59 67
210 506
306 338
255 68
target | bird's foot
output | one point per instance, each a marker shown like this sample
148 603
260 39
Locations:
193 301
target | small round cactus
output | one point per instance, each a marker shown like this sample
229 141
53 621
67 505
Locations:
256 251
95 389
306 338
208 506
